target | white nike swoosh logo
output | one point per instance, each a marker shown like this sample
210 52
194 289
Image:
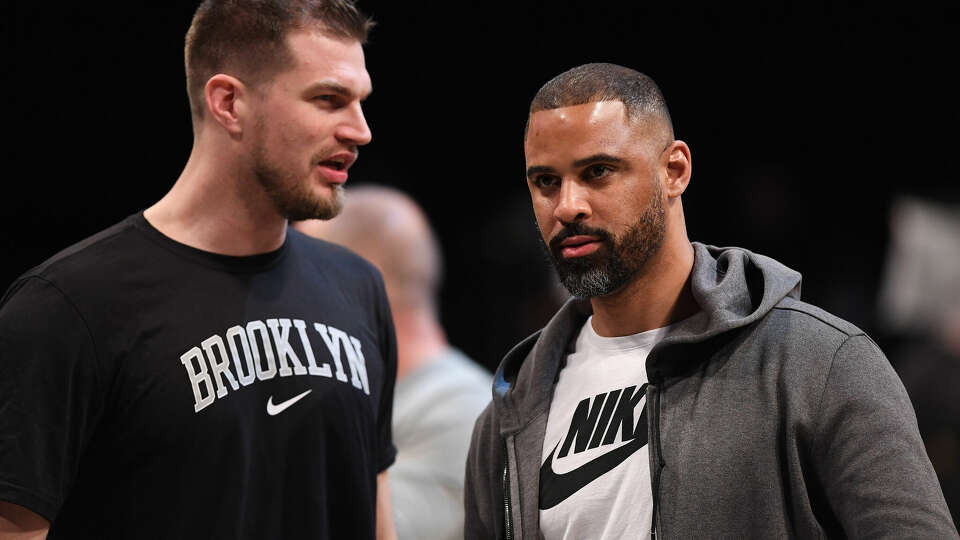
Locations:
274 410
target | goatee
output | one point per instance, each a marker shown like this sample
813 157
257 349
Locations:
618 260
294 200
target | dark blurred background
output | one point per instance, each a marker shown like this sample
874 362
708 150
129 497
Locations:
809 123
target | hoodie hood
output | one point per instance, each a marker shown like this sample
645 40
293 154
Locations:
733 287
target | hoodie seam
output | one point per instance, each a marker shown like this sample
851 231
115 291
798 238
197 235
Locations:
846 333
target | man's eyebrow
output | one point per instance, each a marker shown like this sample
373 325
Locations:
597 158
539 169
333 87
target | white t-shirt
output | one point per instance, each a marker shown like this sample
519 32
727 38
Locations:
595 477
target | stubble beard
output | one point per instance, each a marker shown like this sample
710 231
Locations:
290 190
620 258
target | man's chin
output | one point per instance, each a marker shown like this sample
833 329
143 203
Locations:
595 281
585 285
312 208
577 265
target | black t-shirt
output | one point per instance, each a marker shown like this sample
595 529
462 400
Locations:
152 390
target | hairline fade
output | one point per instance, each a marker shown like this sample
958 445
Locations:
248 38
591 83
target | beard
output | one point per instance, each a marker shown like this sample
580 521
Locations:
290 190
620 258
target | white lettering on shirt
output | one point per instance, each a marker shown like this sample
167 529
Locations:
213 372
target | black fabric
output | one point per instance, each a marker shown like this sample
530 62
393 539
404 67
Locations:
103 431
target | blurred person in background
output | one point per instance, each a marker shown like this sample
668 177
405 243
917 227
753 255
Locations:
919 311
200 370
439 392
685 391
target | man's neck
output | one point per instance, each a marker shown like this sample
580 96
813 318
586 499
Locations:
658 296
214 208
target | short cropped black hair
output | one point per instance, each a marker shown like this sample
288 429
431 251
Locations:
590 83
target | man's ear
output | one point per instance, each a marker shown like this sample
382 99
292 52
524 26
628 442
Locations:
676 162
225 96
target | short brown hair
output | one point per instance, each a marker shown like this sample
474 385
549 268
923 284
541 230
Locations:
248 37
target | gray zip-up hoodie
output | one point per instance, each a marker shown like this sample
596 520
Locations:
767 418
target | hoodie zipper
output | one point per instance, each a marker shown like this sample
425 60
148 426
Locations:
659 465
507 518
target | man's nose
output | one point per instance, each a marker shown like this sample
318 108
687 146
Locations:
574 202
354 129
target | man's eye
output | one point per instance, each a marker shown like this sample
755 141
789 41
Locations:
544 181
328 100
596 171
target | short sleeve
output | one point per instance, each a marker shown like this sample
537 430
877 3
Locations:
49 394
387 452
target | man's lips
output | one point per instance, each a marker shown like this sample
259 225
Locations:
334 168
580 245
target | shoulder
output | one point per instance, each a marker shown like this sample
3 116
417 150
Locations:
813 317
88 257
333 259
339 269
806 328
812 345
83 265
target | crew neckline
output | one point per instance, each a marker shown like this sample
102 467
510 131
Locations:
229 263
590 339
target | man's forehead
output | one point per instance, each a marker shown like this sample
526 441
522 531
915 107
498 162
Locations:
320 56
578 128
594 114
599 124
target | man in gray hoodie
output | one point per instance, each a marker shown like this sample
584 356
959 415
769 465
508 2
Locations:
685 391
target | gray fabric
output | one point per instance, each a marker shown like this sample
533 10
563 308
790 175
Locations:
768 418
433 413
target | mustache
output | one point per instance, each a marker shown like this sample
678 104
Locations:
578 229
323 155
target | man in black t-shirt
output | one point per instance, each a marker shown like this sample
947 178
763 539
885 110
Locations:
199 370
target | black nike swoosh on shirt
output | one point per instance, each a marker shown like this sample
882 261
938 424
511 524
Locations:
555 488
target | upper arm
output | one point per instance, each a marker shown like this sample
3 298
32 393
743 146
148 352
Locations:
869 454
19 523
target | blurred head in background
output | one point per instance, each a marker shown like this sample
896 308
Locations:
440 391
387 228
